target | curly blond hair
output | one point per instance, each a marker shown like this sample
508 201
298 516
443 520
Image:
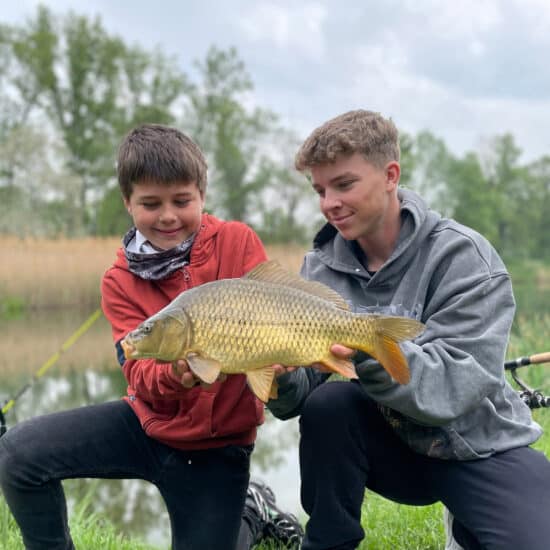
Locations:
360 131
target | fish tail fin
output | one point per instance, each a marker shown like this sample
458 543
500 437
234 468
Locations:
388 332
390 356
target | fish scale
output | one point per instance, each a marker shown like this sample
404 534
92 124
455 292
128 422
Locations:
271 324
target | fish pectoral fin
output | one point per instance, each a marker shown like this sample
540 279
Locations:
340 366
206 369
261 382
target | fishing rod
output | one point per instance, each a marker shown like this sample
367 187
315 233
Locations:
46 365
535 399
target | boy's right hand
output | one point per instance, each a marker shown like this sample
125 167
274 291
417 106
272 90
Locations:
188 378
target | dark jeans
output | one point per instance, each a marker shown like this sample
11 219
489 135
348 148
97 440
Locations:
502 502
204 491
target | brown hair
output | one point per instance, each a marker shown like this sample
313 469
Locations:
159 153
365 132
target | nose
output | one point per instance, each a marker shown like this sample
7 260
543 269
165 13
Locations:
330 200
167 215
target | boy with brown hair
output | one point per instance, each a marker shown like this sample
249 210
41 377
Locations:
193 441
457 433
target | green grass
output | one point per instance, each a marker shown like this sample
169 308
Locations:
391 526
388 526
89 531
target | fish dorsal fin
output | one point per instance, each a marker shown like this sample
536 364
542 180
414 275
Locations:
206 369
260 382
272 272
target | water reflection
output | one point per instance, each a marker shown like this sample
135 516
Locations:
88 373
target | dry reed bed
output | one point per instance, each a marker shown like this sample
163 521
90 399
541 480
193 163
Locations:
62 273
54 273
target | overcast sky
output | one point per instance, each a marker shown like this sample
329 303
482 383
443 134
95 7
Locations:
466 70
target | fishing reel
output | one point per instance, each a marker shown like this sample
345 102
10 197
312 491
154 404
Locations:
533 398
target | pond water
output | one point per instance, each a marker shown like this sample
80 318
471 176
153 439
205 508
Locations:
86 373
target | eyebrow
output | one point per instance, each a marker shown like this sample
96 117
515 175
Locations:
338 178
183 194
343 176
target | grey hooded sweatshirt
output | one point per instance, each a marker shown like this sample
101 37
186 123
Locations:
458 404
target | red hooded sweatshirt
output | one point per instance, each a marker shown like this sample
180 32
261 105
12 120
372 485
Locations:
227 413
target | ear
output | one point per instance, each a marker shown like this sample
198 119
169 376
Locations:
127 205
393 173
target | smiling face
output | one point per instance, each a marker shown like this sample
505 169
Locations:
358 198
165 214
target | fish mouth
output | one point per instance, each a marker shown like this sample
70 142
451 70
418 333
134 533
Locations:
127 348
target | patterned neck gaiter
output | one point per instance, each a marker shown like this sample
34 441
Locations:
153 266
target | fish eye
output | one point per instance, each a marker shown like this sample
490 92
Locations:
147 328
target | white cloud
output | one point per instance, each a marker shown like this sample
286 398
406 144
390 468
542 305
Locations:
465 19
385 82
463 70
538 12
297 29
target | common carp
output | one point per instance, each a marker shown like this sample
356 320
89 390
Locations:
268 316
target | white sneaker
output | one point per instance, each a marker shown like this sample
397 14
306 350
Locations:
450 542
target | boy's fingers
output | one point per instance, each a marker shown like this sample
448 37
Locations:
188 380
341 351
180 367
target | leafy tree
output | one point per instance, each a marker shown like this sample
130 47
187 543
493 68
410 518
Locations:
229 133
472 196
534 213
112 216
510 191
407 159
92 87
287 204
32 182
431 162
